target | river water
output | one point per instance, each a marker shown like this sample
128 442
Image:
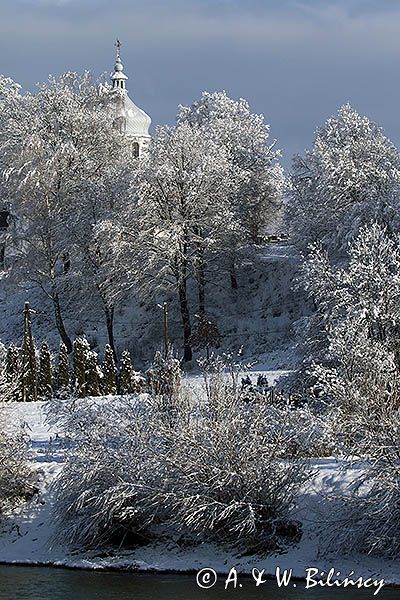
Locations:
40 583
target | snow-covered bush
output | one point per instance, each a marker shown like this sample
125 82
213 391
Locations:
219 469
106 489
366 514
235 470
164 379
364 389
17 481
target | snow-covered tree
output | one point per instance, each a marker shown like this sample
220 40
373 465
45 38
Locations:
109 381
44 385
245 137
126 373
13 372
104 268
359 301
57 147
183 215
165 376
131 381
9 89
349 178
63 375
81 353
92 384
205 334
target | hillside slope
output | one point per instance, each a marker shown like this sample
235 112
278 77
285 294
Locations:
259 315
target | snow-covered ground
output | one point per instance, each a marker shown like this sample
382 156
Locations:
27 536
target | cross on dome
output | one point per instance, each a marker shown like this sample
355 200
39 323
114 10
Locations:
118 77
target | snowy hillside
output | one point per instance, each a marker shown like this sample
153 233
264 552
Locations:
259 315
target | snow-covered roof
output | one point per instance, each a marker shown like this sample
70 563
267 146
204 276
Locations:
136 121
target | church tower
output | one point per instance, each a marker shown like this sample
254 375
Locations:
131 120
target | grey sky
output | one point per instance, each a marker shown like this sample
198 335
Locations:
295 61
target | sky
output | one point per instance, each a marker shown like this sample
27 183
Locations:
295 61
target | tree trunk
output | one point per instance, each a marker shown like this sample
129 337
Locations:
60 323
232 273
184 308
201 284
232 269
200 273
109 312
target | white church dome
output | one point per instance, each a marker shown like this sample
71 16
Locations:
131 120
137 122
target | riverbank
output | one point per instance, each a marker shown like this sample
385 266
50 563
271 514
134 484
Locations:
27 536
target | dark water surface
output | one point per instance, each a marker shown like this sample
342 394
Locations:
40 583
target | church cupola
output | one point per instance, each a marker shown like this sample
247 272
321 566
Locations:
118 78
130 120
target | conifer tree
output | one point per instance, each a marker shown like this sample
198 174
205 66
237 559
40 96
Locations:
126 373
45 390
13 365
29 363
92 375
63 377
109 372
13 371
81 349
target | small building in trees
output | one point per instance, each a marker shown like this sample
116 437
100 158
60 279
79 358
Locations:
130 120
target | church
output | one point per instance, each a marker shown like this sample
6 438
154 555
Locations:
131 120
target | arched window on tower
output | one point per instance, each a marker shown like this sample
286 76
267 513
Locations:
135 149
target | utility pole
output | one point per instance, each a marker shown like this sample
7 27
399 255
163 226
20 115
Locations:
166 342
29 375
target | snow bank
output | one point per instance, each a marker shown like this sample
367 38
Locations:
27 534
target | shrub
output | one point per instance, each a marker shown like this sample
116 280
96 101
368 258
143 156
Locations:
214 469
17 480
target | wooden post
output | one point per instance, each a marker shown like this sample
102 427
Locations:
29 375
166 342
